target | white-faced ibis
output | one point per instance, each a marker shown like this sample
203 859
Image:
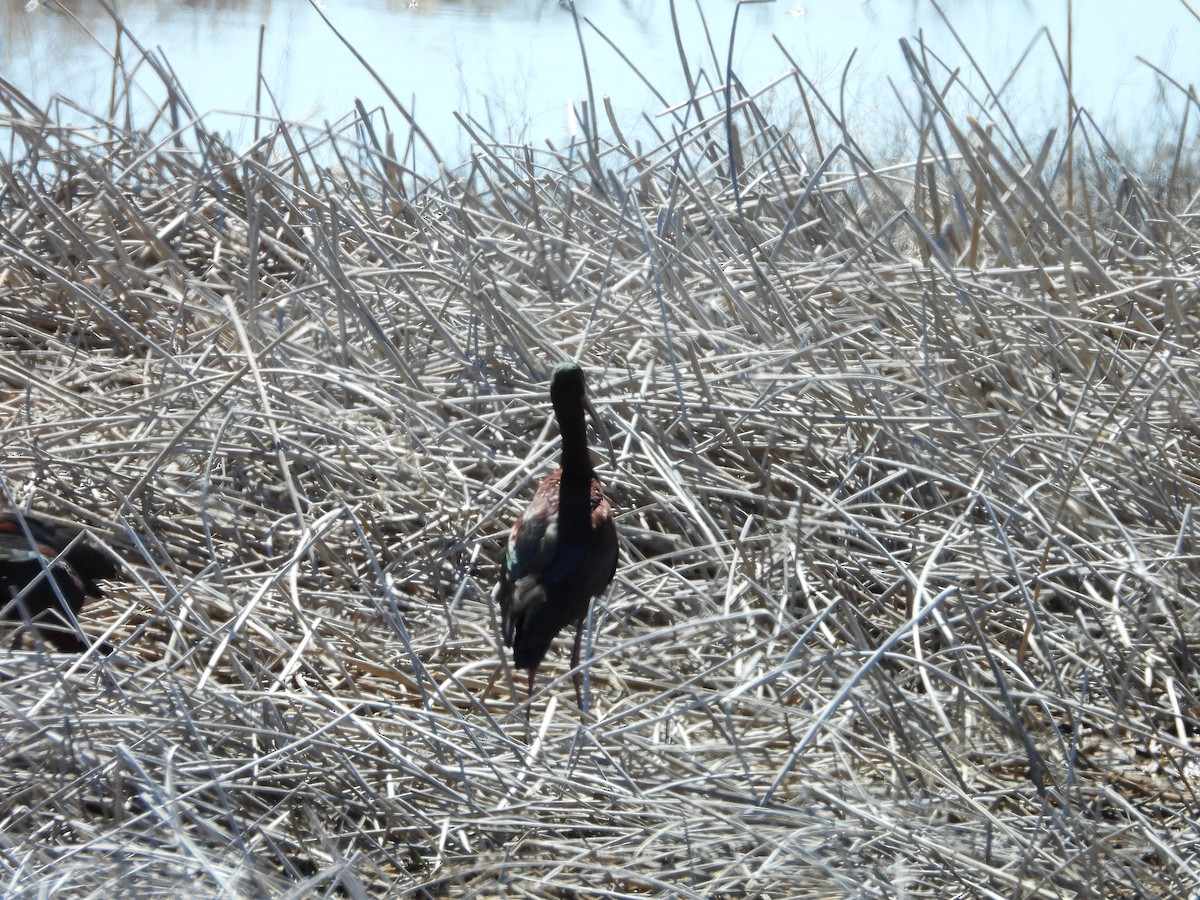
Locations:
562 551
32 550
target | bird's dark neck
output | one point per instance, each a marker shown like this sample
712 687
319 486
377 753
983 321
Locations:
573 427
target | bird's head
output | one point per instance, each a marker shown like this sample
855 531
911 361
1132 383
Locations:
567 387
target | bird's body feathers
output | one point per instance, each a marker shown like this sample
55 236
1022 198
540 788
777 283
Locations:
562 552
32 551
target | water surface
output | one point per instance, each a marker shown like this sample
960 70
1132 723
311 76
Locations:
517 67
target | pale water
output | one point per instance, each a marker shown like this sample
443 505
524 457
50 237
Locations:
517 67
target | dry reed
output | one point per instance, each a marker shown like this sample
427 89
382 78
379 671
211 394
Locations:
905 456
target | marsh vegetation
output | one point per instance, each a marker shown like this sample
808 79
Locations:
904 453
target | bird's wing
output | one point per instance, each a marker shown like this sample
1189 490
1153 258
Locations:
555 563
532 544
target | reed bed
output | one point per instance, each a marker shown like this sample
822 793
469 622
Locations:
905 455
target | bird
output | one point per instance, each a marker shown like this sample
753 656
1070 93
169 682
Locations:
562 550
31 556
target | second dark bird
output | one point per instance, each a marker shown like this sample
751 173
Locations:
562 551
32 551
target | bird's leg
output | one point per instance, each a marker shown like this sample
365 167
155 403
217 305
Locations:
576 675
532 676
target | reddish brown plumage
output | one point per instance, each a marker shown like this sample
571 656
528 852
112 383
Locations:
562 551
52 586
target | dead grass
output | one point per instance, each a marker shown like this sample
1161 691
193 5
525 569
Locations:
906 462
